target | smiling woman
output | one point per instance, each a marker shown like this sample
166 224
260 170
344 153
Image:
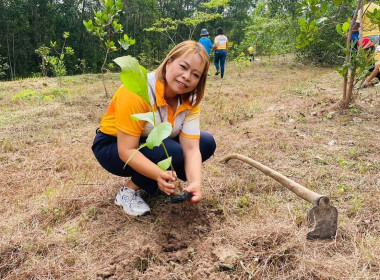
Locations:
176 89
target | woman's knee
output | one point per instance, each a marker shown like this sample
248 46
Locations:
207 145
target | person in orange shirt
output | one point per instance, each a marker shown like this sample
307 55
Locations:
176 89
221 49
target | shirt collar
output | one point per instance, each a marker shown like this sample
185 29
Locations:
160 97
160 93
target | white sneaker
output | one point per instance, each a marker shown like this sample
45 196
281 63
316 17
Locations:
132 202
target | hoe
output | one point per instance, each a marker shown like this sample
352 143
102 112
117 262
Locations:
322 218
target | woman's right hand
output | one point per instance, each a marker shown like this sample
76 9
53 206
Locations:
164 182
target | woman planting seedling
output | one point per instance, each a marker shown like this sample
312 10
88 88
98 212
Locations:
146 110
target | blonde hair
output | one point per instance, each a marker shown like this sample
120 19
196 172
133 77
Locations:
185 48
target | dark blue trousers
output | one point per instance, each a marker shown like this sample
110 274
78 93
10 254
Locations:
105 151
220 60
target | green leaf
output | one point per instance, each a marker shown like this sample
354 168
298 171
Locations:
324 7
158 134
339 29
149 117
165 164
133 76
337 2
302 23
346 27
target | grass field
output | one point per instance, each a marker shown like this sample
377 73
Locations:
58 219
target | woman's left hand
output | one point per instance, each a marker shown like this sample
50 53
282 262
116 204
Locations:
196 191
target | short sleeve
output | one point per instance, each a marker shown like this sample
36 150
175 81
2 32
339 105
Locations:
128 103
190 127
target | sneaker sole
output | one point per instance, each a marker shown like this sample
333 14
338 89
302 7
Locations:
118 203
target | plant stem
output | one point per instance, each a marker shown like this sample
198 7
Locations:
166 152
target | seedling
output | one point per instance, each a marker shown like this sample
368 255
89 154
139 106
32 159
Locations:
241 61
105 26
57 62
43 52
134 77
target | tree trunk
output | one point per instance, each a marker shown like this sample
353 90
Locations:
9 58
349 86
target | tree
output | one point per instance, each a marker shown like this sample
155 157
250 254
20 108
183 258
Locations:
43 52
57 62
105 26
170 27
356 63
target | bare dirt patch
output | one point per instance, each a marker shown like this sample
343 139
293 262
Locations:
58 216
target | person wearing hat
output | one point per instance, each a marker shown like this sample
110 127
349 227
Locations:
205 41
220 47
368 45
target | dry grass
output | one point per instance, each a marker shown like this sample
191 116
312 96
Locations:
59 220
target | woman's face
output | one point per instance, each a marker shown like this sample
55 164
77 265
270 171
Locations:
183 74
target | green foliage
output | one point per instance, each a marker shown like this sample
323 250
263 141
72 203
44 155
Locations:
199 17
165 164
47 95
362 61
57 62
3 67
82 66
307 30
27 94
318 31
158 134
242 61
243 201
269 36
134 78
216 4
166 26
374 16
170 27
43 52
106 25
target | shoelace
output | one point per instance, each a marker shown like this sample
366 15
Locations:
137 197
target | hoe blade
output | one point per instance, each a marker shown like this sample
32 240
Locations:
323 221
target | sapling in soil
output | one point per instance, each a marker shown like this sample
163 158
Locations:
134 77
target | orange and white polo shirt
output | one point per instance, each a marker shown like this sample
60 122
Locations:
125 103
221 42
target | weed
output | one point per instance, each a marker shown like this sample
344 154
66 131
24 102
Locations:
158 221
243 201
283 145
7 146
342 189
353 153
357 205
141 264
27 94
354 110
91 213
47 95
